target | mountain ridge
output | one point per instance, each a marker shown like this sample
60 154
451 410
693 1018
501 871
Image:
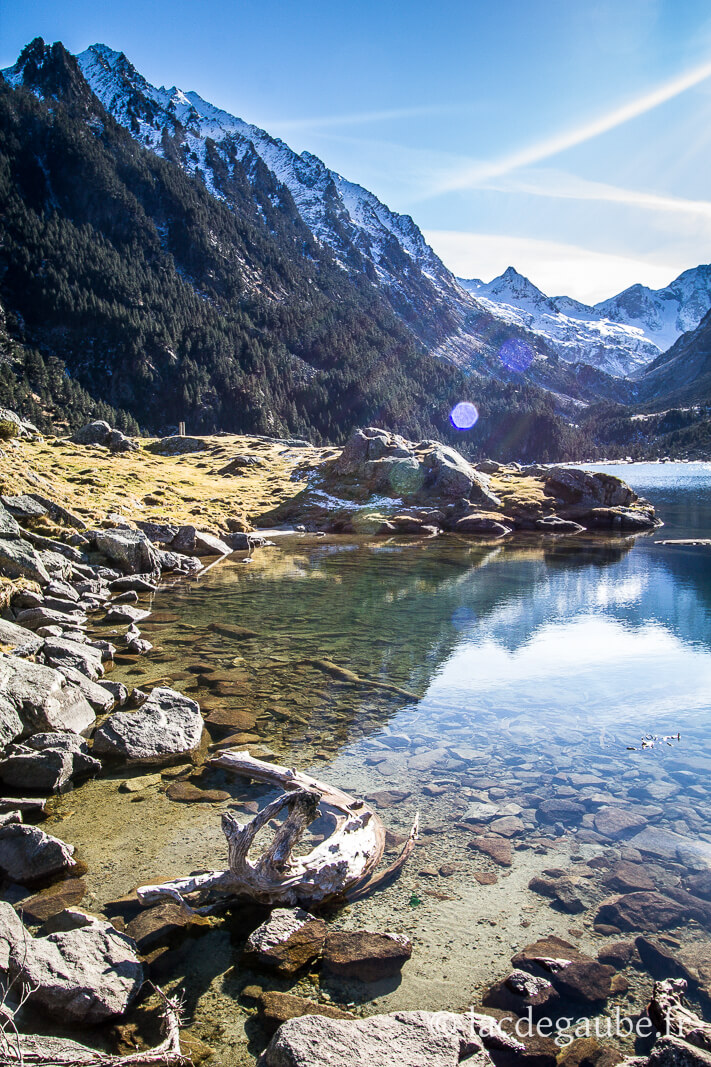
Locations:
634 326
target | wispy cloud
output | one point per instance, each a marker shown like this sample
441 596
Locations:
363 118
559 185
479 173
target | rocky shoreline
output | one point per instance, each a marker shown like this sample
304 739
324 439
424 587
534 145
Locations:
75 595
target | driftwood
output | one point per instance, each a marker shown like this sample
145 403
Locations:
341 866
22 1050
673 1019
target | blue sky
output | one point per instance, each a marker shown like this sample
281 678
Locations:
570 138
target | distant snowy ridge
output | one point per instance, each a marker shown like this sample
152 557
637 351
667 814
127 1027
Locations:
620 336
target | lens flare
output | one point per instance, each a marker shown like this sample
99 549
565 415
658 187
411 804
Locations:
463 415
516 355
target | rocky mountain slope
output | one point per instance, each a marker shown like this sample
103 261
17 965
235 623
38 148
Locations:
177 263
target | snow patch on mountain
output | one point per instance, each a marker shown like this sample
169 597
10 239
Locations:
578 333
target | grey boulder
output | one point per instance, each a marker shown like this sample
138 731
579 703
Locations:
94 433
29 855
61 653
166 728
23 642
82 975
190 541
128 549
46 762
18 559
405 1038
42 697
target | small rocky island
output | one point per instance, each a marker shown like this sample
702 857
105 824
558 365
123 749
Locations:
89 528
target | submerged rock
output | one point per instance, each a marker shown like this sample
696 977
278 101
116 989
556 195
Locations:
83 975
275 1008
365 955
288 940
643 911
167 727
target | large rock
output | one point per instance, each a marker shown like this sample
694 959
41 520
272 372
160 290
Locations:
42 697
23 642
375 461
51 901
617 822
673 1052
130 550
166 728
101 695
365 955
620 519
18 559
11 725
288 940
190 541
176 446
450 476
9 526
94 433
83 975
46 762
41 616
642 911
24 506
60 653
29 855
587 488
407 1038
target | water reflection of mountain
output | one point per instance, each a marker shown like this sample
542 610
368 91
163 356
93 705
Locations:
399 613
396 612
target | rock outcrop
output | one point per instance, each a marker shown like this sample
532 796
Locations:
38 698
166 728
383 484
100 433
84 974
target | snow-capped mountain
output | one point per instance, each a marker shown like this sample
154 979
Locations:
361 231
620 336
663 314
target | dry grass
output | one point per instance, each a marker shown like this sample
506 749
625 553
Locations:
521 494
95 484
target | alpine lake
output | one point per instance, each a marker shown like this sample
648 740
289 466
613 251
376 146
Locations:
542 682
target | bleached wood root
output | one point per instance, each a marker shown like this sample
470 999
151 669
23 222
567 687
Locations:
341 866
672 1018
25 1049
